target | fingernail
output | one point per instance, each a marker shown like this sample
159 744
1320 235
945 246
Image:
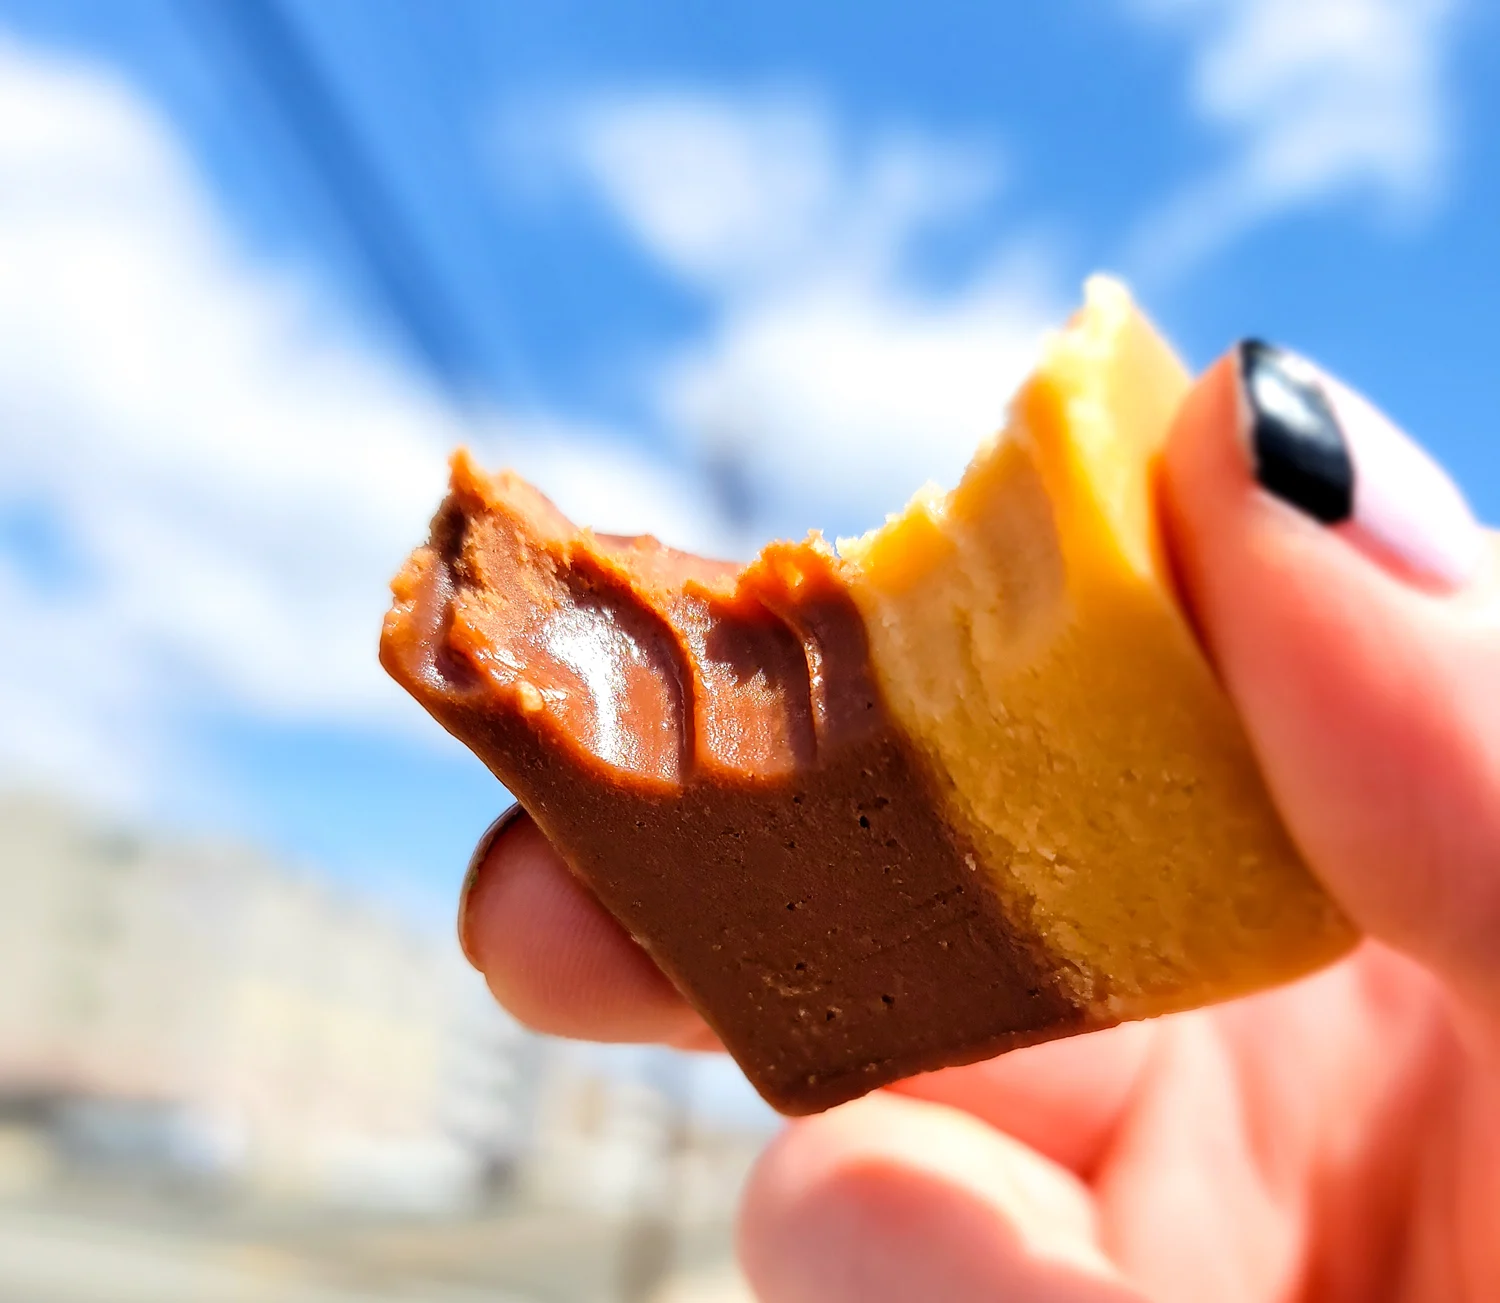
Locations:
1319 446
482 849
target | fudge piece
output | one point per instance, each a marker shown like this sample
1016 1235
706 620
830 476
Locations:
964 784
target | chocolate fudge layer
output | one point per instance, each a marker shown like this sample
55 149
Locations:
964 785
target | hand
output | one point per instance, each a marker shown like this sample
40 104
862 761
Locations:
1335 1139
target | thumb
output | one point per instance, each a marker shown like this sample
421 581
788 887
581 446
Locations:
1352 606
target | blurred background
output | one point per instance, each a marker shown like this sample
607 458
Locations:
717 272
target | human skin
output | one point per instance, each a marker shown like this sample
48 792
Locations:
1337 1139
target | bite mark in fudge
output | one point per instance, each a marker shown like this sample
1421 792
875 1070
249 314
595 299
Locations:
964 785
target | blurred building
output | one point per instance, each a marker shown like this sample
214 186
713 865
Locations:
180 1018
630 1138
197 1007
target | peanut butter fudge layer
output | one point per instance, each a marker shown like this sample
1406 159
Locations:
963 785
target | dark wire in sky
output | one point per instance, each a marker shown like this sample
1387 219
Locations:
266 37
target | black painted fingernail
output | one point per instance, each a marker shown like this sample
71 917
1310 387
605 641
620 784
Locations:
482 849
1295 440
1319 446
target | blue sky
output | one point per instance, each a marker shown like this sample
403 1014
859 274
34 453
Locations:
719 272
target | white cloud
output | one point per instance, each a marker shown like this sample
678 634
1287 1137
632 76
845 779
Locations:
1319 99
716 195
834 379
234 472
838 400
744 194
233 475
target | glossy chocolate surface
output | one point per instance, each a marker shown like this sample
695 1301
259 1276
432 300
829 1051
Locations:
709 750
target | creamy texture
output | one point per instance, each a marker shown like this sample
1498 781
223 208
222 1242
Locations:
969 786
1025 631
710 751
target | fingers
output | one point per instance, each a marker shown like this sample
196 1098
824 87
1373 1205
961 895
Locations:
1064 1099
888 1200
555 958
1352 607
